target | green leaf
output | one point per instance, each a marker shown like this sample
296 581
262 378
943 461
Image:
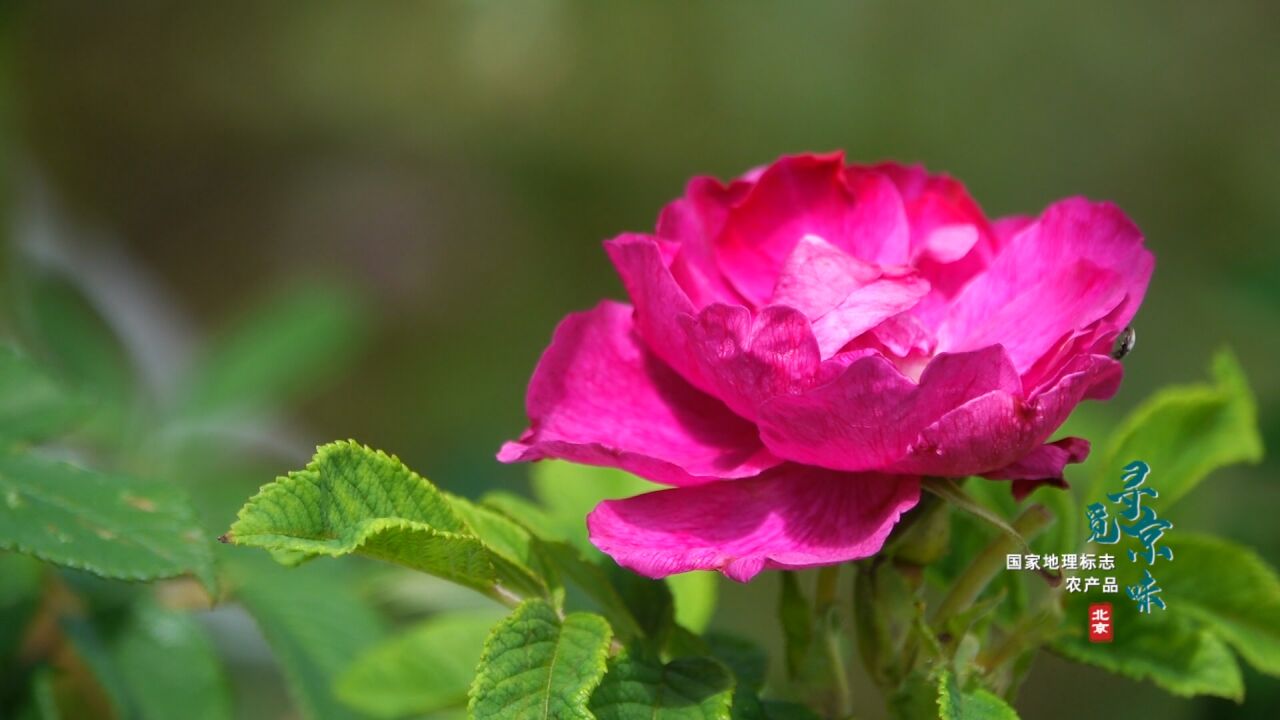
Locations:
33 406
519 560
536 666
109 525
352 499
20 580
649 602
950 491
314 623
797 624
695 598
1186 432
1231 590
1165 647
977 704
425 668
745 659
592 578
290 344
168 666
570 491
639 686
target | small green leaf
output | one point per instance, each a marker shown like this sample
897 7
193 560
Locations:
1165 647
536 666
649 602
314 623
593 579
294 341
745 659
352 499
108 525
639 686
797 624
977 704
950 491
425 668
519 560
1231 590
1186 432
33 406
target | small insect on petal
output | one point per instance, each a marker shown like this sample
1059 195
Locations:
1124 344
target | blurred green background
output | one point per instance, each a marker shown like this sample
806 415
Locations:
451 167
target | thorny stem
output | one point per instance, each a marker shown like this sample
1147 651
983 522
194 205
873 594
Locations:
825 608
984 567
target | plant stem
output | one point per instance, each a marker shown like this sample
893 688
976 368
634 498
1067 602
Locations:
984 567
824 606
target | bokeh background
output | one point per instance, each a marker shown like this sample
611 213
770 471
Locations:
447 170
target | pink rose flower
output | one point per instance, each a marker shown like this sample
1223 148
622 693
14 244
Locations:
808 341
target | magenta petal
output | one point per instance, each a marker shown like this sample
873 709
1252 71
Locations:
865 308
1044 465
750 358
599 397
1068 233
1033 321
792 517
817 276
695 221
870 414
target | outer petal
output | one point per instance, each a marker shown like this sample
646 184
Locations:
792 517
1068 232
599 397
870 414
1000 428
1044 465
1033 321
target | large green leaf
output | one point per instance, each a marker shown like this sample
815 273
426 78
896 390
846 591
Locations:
315 623
1165 647
351 499
289 344
1231 590
955 703
111 526
1186 432
33 405
640 687
536 666
425 668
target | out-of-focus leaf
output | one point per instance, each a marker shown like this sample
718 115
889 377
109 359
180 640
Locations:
977 704
1165 647
168 666
43 704
315 623
695 597
593 579
536 666
570 491
20 579
33 406
65 329
1231 590
425 668
351 499
639 686
294 341
746 660
108 525
797 624
1184 433
519 560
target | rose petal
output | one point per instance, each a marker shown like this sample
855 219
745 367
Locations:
865 308
818 276
792 517
1031 322
599 397
695 221
1067 233
1041 466
870 414
751 358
